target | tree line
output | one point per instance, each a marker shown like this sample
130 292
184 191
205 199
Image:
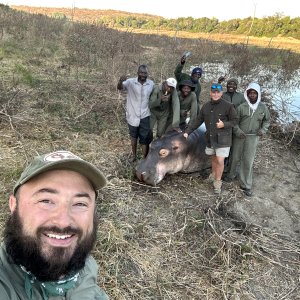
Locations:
272 26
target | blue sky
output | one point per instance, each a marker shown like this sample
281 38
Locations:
220 9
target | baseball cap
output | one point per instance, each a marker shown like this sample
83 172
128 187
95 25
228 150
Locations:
197 70
216 87
171 82
62 160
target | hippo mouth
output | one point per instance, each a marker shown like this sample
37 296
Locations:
151 180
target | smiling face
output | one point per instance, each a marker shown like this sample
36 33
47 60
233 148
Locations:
54 215
231 86
216 95
186 90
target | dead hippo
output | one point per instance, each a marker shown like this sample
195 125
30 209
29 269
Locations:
174 153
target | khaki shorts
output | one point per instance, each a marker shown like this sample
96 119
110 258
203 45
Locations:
222 152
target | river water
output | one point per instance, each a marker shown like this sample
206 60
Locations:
282 88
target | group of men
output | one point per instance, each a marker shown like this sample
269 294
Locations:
166 105
52 228
234 121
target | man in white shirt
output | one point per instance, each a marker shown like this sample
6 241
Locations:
137 109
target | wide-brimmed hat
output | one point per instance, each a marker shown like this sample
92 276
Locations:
188 83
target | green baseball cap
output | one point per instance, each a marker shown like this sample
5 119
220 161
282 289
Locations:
62 160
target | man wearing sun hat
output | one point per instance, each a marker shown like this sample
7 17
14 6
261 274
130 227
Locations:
51 231
219 117
164 107
195 76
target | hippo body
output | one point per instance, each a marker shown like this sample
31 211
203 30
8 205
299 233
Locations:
174 153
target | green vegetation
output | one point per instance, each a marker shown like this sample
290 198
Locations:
270 26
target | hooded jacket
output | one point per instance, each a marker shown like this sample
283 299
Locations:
252 117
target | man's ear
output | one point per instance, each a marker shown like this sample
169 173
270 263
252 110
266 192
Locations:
12 203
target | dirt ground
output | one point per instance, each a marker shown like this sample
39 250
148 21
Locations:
275 203
276 200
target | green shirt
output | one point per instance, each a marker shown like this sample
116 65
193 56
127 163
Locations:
12 282
169 109
249 121
188 104
235 98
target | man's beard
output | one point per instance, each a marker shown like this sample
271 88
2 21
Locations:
26 250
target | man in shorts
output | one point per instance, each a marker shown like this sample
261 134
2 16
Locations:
138 113
219 117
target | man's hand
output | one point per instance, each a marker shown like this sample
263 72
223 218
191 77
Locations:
220 124
164 98
182 60
183 113
242 135
221 79
177 129
120 82
260 132
123 78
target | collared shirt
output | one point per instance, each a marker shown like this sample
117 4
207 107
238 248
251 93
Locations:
137 104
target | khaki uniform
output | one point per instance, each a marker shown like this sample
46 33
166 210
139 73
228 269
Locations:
244 149
235 98
187 105
163 113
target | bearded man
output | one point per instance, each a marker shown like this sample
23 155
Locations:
51 231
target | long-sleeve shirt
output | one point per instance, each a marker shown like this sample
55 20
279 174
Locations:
210 113
249 121
137 104
235 98
187 104
165 108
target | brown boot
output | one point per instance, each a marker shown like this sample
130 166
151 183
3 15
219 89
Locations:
210 178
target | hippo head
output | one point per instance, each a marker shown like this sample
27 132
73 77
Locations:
167 155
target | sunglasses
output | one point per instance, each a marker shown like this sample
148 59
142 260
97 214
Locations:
216 87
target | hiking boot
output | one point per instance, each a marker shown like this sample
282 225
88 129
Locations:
247 192
217 186
210 178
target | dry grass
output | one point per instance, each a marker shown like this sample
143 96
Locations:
264 42
174 241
